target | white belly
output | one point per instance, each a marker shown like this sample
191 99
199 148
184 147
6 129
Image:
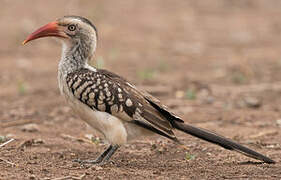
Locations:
111 127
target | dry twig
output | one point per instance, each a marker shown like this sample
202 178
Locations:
71 177
1 145
247 177
8 162
16 123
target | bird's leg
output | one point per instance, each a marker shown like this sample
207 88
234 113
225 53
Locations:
110 153
105 156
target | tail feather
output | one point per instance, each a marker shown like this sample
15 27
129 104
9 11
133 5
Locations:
221 141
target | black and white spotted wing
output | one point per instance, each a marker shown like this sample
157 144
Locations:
100 91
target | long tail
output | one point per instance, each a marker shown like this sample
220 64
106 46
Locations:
221 141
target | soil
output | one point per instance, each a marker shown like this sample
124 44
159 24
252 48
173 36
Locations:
216 63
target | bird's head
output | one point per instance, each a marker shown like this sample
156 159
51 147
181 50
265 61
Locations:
71 30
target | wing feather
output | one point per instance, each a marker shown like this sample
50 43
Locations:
108 92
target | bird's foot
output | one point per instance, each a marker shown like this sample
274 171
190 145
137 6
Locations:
93 162
102 159
88 161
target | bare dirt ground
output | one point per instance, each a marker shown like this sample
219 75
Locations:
216 63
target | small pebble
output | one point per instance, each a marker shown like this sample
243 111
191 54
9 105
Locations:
32 177
179 94
30 128
98 178
278 122
252 102
97 168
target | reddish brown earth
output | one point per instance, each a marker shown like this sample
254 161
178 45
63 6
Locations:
216 63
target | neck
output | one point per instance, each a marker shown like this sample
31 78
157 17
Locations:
74 57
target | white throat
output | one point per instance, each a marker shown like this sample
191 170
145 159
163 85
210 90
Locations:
71 61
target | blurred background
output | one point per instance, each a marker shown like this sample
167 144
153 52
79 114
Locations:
216 63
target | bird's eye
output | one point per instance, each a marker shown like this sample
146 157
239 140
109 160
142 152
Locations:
71 27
